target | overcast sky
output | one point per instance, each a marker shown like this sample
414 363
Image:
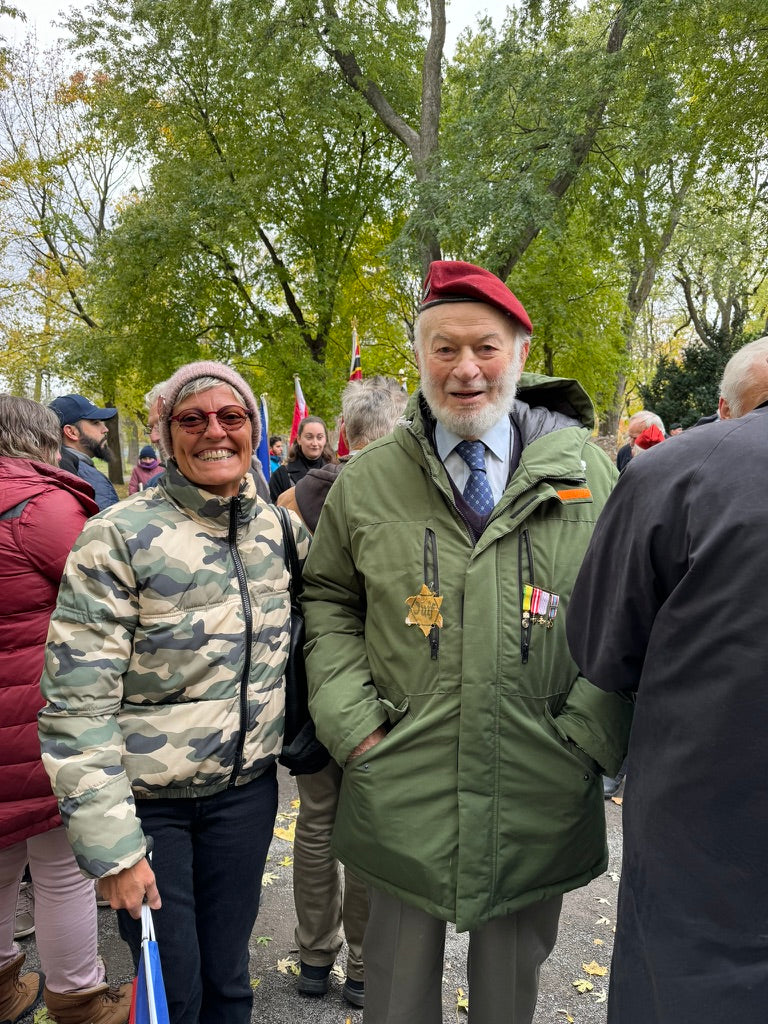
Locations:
40 14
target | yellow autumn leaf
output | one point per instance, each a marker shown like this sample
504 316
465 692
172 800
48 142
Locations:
338 972
601 996
582 985
296 804
268 878
602 920
594 968
286 862
598 942
462 1003
288 966
567 1016
255 982
287 833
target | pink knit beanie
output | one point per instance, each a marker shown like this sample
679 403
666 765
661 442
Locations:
191 372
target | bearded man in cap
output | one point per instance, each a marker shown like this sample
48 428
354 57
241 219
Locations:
436 593
83 438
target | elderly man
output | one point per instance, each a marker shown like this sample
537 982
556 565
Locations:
670 606
744 386
436 591
84 437
638 423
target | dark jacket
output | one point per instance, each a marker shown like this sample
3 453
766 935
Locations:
485 796
671 604
289 475
312 490
105 494
42 510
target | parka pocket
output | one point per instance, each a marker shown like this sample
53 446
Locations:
580 755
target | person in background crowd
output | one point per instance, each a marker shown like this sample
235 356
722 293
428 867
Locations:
370 409
646 439
42 511
675 429
310 450
435 594
744 386
146 469
165 696
84 438
275 452
670 606
637 424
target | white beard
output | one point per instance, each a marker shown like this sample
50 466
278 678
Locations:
474 423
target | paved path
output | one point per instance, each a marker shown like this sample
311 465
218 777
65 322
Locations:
586 936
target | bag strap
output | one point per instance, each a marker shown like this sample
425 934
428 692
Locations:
290 552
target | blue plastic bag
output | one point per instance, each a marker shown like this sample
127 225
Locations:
149 1004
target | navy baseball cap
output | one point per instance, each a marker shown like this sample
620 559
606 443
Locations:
71 408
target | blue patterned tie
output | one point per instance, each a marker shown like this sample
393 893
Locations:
477 493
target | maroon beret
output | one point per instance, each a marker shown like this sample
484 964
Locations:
455 281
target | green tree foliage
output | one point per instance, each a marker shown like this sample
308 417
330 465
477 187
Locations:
262 171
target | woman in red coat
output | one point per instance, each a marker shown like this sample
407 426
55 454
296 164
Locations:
42 510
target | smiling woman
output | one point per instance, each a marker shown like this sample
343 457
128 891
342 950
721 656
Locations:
165 687
212 435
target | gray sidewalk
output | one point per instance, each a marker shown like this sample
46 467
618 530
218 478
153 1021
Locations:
586 938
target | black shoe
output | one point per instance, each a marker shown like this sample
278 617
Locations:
612 786
313 981
354 992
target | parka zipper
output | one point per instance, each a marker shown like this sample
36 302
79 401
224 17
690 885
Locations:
234 519
524 548
433 582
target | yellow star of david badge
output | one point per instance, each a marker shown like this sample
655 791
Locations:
424 610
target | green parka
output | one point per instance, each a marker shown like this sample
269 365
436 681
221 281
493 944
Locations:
485 795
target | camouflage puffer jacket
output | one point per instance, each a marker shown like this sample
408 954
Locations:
165 660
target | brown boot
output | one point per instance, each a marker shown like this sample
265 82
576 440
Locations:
17 994
99 1005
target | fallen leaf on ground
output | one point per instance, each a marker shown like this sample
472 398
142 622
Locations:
600 899
462 1003
296 804
582 985
288 966
338 973
289 834
286 862
602 920
601 996
598 942
263 940
255 982
617 800
567 1016
614 876
595 968
268 878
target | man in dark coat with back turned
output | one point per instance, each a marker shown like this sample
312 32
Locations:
670 603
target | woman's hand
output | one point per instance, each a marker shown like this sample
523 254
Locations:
127 889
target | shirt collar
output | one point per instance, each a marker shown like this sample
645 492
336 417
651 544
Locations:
496 439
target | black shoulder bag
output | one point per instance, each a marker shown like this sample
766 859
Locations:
302 752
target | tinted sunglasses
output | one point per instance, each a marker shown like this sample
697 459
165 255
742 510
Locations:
195 421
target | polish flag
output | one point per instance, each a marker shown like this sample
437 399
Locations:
300 410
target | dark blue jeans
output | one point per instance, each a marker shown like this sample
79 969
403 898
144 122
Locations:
208 858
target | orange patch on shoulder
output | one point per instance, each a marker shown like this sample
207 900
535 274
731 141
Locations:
574 494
